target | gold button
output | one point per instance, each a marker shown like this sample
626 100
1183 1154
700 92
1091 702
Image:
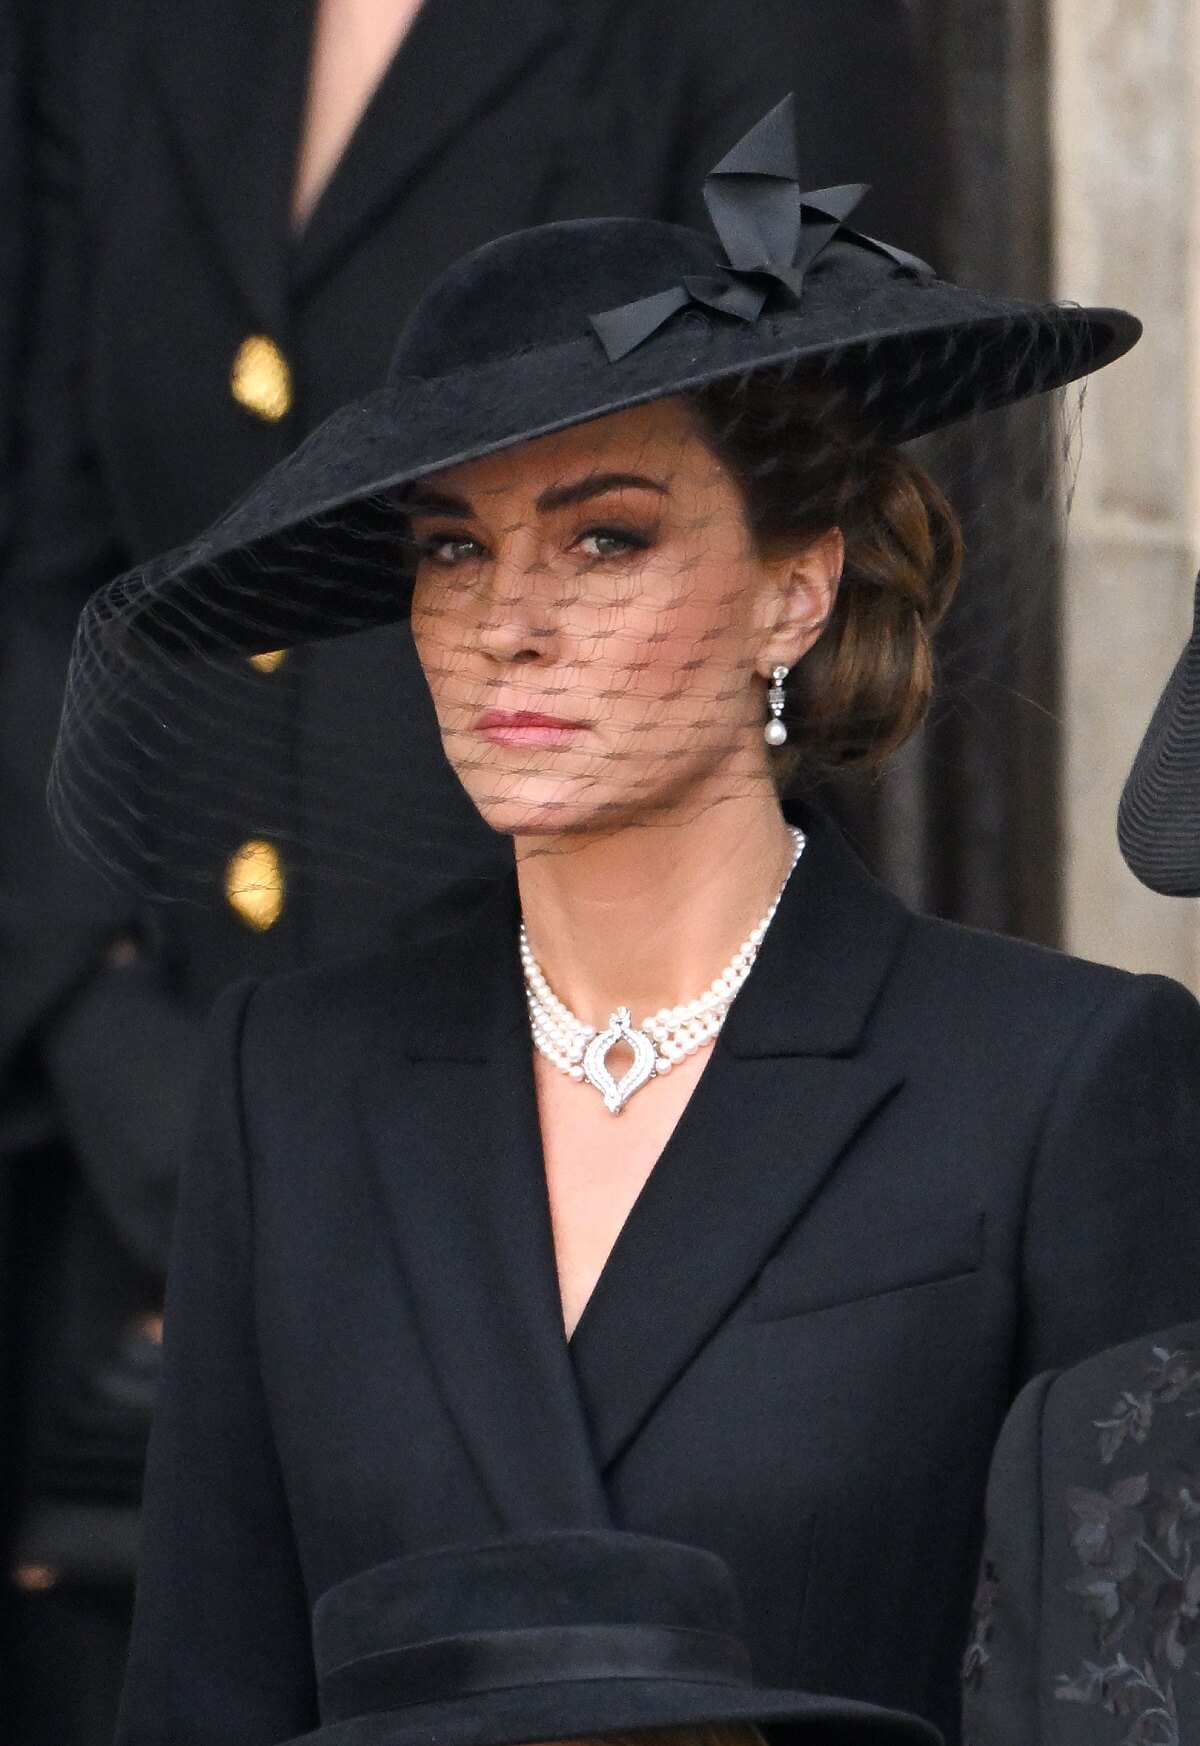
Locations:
35 1578
260 380
254 884
270 661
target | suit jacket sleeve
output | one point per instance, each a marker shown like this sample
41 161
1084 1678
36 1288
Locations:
1085 1623
128 1126
1111 1240
220 1652
54 914
60 1012
864 101
1001 1672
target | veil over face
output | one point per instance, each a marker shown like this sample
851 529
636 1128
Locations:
596 622
169 746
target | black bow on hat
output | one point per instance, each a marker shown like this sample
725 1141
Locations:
771 233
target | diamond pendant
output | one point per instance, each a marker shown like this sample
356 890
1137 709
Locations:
617 1092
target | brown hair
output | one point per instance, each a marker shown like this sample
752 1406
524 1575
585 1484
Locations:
804 465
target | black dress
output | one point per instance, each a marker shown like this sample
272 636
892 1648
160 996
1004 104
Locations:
921 1165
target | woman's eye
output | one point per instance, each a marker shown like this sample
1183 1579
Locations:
611 542
449 549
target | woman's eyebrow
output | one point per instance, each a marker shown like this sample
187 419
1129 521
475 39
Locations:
554 497
438 503
595 485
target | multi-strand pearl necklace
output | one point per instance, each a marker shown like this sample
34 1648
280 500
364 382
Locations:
580 1051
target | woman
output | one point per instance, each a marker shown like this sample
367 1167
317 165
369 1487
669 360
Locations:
805 1232
237 207
1088 1604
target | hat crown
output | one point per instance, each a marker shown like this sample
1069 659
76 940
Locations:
531 1582
540 287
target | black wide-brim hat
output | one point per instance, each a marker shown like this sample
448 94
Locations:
561 324
557 1636
1158 820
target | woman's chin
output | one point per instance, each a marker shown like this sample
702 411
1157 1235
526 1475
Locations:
532 806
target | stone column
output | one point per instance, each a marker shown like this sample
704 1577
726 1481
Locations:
1125 95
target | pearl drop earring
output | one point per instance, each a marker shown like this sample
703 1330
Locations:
775 733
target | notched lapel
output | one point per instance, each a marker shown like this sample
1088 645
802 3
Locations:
457 1153
233 75
793 1080
457 59
752 1149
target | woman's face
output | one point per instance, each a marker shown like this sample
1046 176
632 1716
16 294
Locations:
594 623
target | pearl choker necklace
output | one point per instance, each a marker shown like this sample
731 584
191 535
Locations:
580 1051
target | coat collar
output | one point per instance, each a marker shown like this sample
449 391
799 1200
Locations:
234 73
828 953
458 1154
459 57
790 1083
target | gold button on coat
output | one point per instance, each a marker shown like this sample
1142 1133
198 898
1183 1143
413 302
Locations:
35 1578
260 380
269 661
254 884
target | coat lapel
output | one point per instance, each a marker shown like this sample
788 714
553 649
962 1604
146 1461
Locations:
788 1088
458 1156
233 76
459 57
457 1150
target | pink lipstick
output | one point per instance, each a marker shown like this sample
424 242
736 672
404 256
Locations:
525 727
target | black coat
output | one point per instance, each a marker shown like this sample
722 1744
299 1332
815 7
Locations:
1086 1620
921 1165
14 233
167 145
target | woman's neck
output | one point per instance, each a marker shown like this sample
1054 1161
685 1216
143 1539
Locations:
648 916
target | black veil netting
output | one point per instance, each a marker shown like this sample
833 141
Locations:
251 708
191 735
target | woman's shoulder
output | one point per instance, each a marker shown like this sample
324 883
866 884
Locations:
1003 973
913 964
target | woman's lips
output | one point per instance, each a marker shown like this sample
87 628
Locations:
525 727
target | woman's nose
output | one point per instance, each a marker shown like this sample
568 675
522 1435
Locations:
519 621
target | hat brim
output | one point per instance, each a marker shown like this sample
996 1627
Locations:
916 357
592 1709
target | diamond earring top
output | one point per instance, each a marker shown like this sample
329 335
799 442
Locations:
775 733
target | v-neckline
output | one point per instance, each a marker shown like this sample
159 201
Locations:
298 233
456 1143
628 1235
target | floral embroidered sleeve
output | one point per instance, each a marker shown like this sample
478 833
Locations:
1088 1624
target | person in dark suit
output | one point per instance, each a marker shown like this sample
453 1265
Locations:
890 1204
14 261
466 1245
1086 1618
14 240
242 202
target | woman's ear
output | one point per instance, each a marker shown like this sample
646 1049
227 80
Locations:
799 602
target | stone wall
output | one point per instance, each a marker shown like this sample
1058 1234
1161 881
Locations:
1125 147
